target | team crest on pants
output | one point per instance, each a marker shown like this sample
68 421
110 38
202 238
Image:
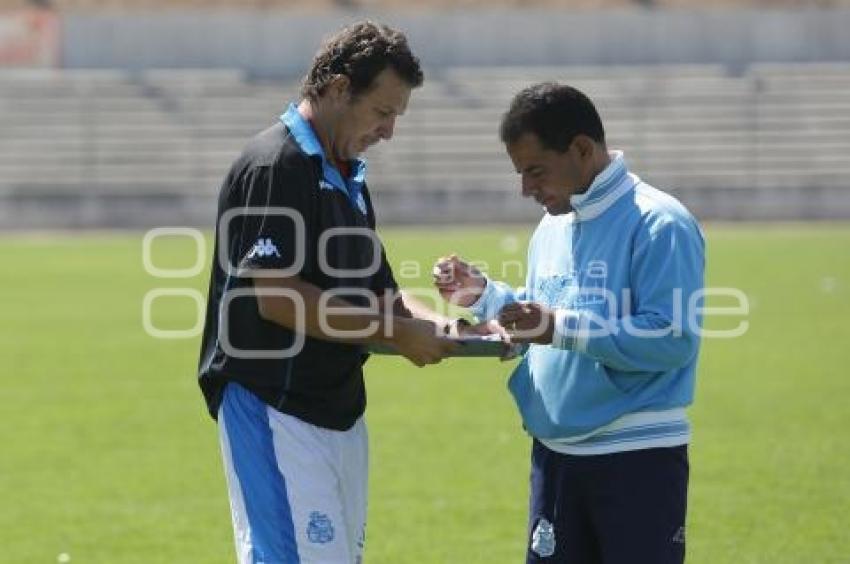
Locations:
320 529
543 539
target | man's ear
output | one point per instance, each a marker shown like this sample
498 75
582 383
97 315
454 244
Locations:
338 89
584 146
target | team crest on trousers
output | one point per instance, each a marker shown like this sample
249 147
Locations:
543 539
320 529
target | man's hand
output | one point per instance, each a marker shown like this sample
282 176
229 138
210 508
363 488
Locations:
528 322
417 340
458 281
491 327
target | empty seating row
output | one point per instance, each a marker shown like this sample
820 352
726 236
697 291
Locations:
684 127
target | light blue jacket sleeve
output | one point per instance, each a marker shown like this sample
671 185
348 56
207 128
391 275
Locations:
660 328
496 295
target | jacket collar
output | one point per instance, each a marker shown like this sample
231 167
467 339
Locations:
306 138
609 185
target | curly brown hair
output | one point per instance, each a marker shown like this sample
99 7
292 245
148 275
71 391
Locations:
361 51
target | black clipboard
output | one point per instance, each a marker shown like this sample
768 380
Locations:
471 346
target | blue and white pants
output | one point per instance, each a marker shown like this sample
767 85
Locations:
297 491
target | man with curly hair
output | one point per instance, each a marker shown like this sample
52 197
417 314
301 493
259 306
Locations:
300 288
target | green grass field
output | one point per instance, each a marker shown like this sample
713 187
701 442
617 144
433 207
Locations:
109 456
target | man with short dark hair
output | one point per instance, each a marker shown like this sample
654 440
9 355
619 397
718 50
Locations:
300 287
610 311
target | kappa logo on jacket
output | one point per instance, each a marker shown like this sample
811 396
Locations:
264 248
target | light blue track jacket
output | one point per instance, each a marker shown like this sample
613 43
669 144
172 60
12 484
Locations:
624 272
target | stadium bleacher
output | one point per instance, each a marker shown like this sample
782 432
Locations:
131 5
116 148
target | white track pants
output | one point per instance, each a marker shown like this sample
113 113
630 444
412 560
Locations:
297 491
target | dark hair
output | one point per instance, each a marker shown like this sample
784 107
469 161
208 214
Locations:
555 113
361 51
